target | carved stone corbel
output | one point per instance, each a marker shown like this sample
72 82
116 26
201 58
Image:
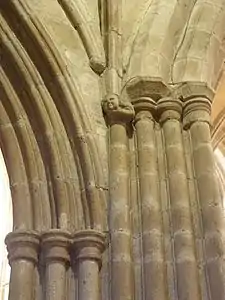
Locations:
116 110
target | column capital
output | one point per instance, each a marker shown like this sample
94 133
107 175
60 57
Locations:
56 245
89 245
117 111
145 107
169 108
197 109
197 98
23 245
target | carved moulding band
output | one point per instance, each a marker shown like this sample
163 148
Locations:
196 110
145 108
56 245
88 245
23 245
169 108
197 99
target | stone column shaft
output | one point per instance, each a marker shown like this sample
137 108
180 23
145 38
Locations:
151 216
119 115
88 246
55 281
120 225
182 231
88 283
56 245
23 256
21 280
197 120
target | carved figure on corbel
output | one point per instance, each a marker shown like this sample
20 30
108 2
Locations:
117 110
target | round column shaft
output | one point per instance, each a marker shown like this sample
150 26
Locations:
152 236
88 246
119 115
181 220
197 120
23 248
55 247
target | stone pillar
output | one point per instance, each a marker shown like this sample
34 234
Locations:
55 247
188 288
151 216
88 246
23 247
119 114
197 120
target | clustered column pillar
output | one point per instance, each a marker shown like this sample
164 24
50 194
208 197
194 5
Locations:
170 112
23 248
55 247
151 215
197 120
88 246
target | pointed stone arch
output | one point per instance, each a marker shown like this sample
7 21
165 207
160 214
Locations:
45 129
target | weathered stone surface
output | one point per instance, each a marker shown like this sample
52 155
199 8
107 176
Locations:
105 127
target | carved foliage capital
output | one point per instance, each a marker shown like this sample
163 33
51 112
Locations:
23 245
